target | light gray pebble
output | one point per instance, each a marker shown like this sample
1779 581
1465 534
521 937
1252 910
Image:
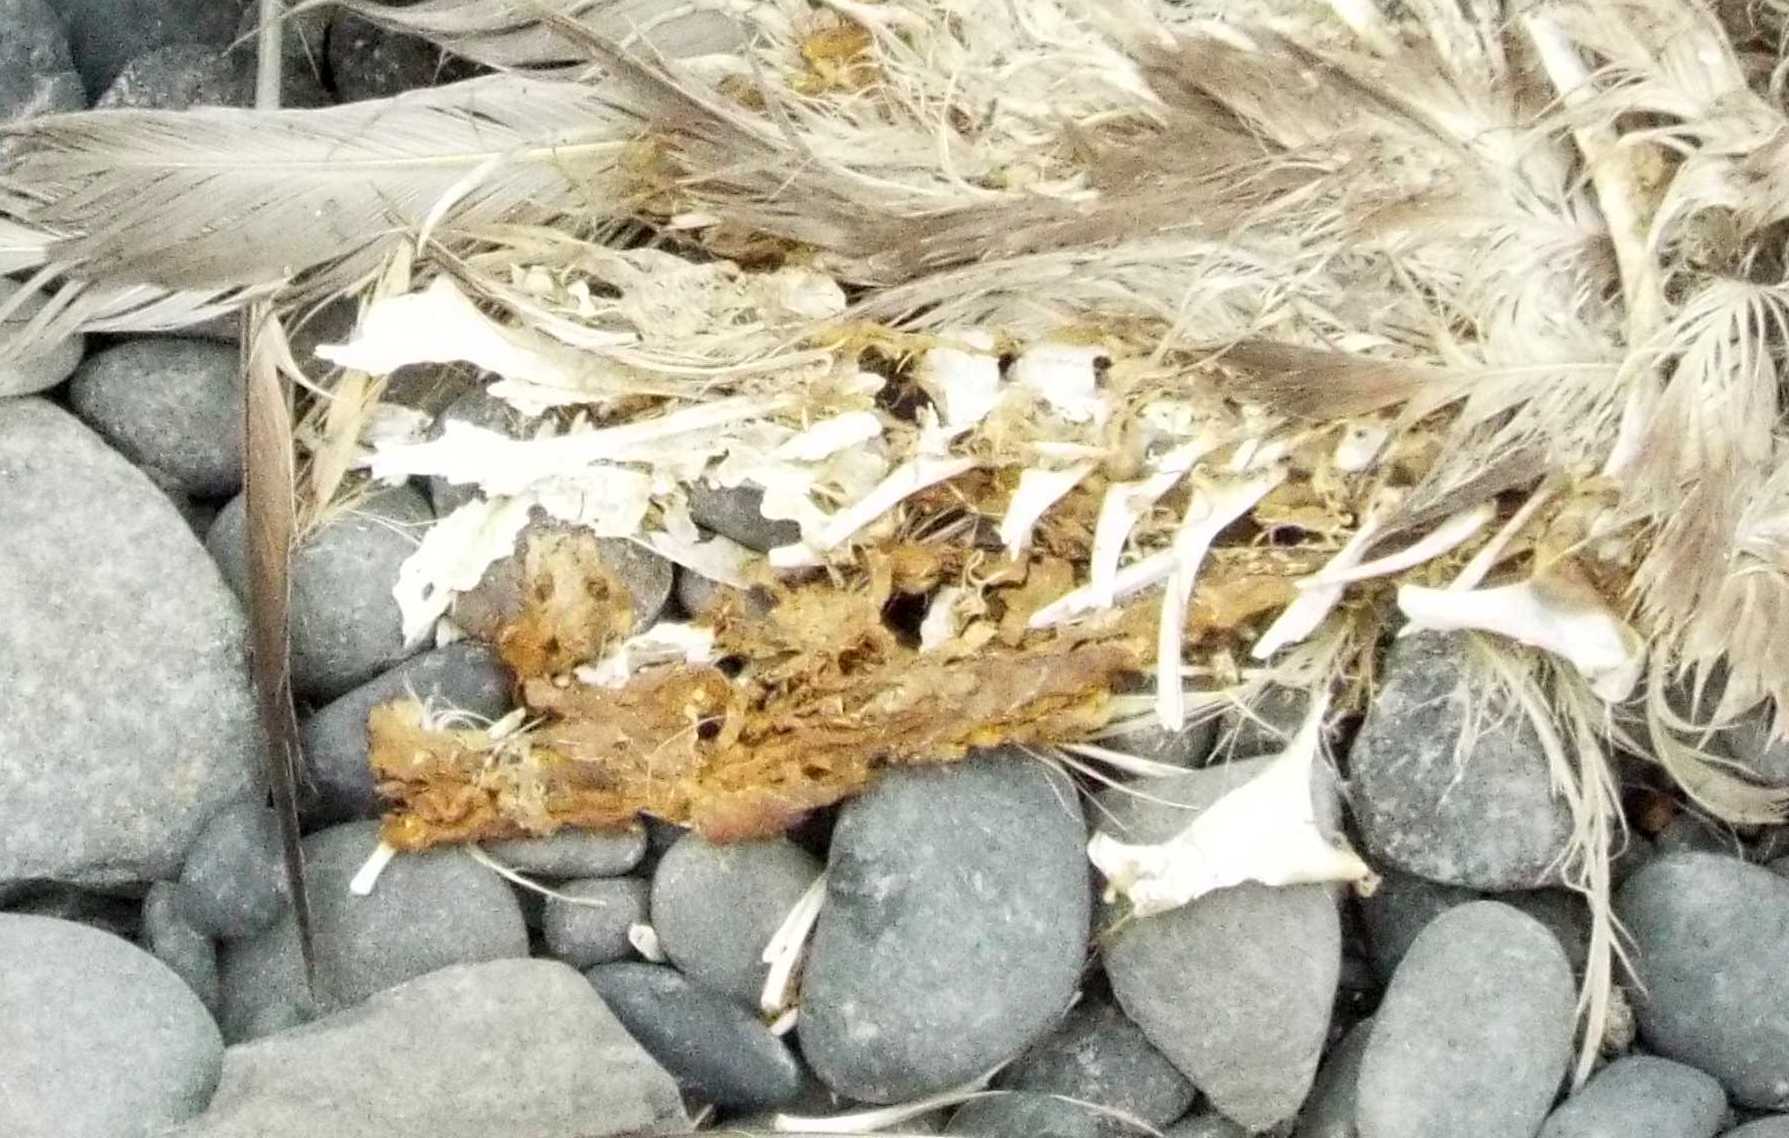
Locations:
37 73
1330 1110
1020 1114
171 405
1097 1055
734 513
595 932
465 675
1475 1031
125 714
1492 822
346 628
504 1049
954 928
574 853
716 906
1642 1095
718 1051
175 77
98 1039
428 911
22 374
179 945
1235 990
1773 1127
1205 1124
234 881
104 35
1708 935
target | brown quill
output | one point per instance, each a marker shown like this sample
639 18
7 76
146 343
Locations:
269 486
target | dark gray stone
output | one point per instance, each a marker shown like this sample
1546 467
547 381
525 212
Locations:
179 945
37 73
171 405
1236 989
498 597
1474 1033
716 907
1404 905
1752 743
429 911
506 1049
716 1050
99 1039
104 35
125 714
1645 1097
371 62
1487 820
1262 727
1024 1115
574 853
1691 831
734 513
346 628
476 408
703 598
175 77
954 929
1708 935
465 675
594 932
1330 1110
1099 1056
40 370
304 69
234 881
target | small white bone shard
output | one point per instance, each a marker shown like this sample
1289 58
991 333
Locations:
787 944
1308 609
453 557
1065 377
1450 534
965 384
665 642
1038 491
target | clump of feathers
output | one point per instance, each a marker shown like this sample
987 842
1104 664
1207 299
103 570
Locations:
1253 309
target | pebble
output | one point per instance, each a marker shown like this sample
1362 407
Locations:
476 408
954 927
1025 1115
120 914
41 370
1708 935
497 598
172 406
1495 824
1403 906
718 1051
1205 1125
104 35
428 911
1642 1095
1236 989
371 62
464 675
574 853
1099 1056
1691 831
590 934
733 512
98 1039
1751 743
1773 1127
125 715
702 597
1265 726
504 1049
176 943
716 907
1475 1031
234 881
303 66
37 72
1330 1110
175 77
345 623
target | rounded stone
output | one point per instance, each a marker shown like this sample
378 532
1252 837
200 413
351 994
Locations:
1642 1095
104 35
125 714
734 512
1487 819
427 911
1403 905
176 943
234 881
1206 1124
716 1050
175 77
1776 1127
574 853
37 72
40 370
368 61
954 927
98 1038
716 907
1708 940
1023 1115
171 405
1330 1110
1099 1056
592 929
498 598
1475 1031
346 627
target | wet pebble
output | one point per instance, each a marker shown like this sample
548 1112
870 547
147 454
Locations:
716 906
171 405
592 929
1641 1094
233 883
718 1051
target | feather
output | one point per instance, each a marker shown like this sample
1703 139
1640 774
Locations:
510 33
